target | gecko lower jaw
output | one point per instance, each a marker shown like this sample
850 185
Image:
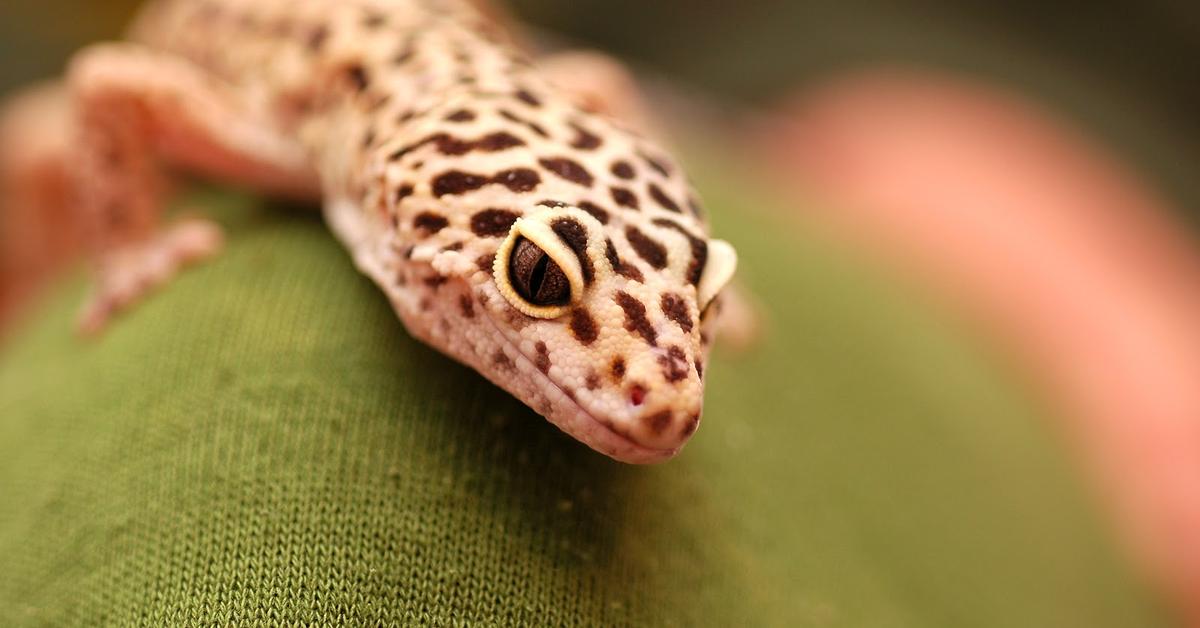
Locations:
571 417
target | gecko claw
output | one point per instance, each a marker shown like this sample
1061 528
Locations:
130 275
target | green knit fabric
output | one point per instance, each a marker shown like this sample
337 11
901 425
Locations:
262 444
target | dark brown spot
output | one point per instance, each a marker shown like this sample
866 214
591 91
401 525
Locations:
374 20
584 139
597 212
430 222
518 180
635 318
436 281
662 199
618 368
659 421
699 249
658 165
317 38
532 126
283 28
491 223
358 77
403 192
568 169
502 360
457 182
575 235
466 305
675 308
628 271
690 426
524 96
674 365
486 262
623 169
584 326
406 53
647 248
404 56
496 142
452 146
553 203
542 361
625 198
593 381
453 248
462 115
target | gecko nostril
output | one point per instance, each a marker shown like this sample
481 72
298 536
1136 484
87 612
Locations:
637 395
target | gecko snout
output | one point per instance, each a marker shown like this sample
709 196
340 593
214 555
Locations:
662 399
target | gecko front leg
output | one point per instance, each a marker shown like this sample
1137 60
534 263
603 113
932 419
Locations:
136 112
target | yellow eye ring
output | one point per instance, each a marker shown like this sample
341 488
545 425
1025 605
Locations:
534 229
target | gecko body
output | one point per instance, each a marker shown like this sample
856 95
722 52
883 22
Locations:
512 226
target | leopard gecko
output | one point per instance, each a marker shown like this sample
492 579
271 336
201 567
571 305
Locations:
514 222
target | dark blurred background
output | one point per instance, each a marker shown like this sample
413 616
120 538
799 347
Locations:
1125 70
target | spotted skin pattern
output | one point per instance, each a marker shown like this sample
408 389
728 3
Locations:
434 144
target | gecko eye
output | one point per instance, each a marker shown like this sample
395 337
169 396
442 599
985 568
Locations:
535 269
537 278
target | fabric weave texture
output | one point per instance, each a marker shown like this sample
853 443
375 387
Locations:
263 444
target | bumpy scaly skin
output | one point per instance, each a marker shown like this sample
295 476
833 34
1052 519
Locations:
436 145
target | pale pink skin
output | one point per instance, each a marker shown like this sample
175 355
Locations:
1076 261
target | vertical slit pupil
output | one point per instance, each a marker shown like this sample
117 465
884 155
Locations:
536 277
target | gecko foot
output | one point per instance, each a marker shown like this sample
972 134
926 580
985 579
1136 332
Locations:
128 275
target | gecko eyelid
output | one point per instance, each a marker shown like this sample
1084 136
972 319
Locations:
535 270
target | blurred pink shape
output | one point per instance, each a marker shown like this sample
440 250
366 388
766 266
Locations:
40 232
1063 250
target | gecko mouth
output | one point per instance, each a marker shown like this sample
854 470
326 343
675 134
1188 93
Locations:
571 417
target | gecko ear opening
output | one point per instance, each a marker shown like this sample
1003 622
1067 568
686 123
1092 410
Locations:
535 270
722 263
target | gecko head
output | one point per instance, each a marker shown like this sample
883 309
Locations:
605 328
